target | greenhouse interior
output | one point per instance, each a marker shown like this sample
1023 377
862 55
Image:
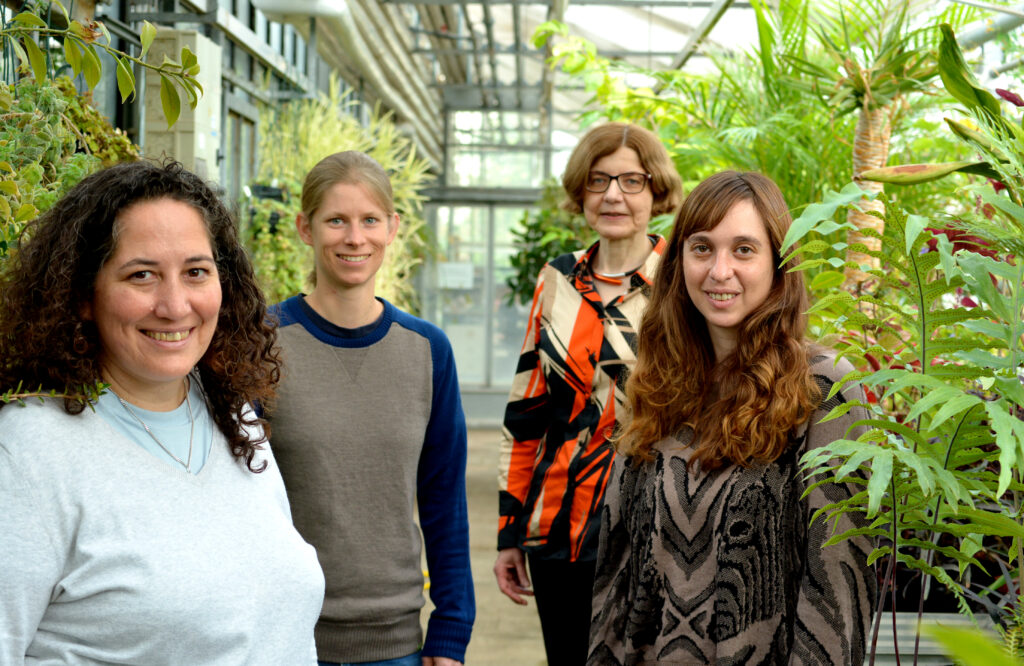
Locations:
892 127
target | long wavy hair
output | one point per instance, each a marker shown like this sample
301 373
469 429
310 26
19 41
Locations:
45 341
742 408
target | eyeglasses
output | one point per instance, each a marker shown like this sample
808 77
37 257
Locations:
630 183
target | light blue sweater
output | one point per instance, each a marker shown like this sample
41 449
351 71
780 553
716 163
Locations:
110 555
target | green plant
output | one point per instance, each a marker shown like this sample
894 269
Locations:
543 234
973 647
310 130
945 443
80 43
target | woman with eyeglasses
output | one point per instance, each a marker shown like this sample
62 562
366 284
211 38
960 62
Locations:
567 395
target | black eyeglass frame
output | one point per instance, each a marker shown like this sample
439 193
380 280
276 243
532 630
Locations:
586 183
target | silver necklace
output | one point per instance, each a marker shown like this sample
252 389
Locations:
187 463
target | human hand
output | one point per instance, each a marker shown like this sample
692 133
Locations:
510 570
440 661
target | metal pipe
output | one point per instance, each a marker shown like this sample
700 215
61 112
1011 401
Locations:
477 65
489 27
406 75
518 47
706 25
353 40
1010 18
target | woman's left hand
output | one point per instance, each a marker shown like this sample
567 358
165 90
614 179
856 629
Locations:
440 661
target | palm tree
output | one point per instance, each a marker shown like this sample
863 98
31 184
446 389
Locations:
877 59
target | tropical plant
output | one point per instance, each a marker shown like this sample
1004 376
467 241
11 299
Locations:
944 445
309 130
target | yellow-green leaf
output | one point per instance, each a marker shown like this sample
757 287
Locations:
36 58
103 29
5 209
170 101
9 187
6 166
29 19
26 212
147 36
73 54
125 79
91 66
188 59
62 9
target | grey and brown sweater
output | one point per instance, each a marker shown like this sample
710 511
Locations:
724 567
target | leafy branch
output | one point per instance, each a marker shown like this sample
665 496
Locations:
80 44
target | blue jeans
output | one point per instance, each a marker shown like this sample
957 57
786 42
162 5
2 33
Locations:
412 660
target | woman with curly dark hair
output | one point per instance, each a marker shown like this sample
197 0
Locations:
152 527
707 552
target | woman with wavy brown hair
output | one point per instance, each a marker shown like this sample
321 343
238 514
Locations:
707 552
152 527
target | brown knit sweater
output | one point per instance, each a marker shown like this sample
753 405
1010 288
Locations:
723 567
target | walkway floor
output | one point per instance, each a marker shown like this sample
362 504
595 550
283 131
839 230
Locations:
504 634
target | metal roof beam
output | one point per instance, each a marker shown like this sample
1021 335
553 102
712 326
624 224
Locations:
710 19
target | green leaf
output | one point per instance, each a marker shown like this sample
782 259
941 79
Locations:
189 62
125 79
91 66
915 225
878 483
821 211
977 139
953 407
36 58
146 36
9 187
826 280
958 78
970 647
1008 430
73 54
1003 203
26 212
170 101
914 174
29 19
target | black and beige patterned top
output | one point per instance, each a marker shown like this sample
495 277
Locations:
723 567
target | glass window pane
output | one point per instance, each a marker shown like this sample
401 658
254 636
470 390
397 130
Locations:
508 321
459 297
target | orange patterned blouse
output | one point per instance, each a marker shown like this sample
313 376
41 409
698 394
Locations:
565 401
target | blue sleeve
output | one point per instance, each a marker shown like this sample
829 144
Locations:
441 495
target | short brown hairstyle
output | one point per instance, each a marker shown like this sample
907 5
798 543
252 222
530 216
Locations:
666 186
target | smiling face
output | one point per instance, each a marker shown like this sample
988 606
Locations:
613 214
349 233
729 272
155 301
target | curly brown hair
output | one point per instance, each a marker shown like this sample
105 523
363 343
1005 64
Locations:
742 408
46 342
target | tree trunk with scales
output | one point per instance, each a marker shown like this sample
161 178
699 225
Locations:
870 151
